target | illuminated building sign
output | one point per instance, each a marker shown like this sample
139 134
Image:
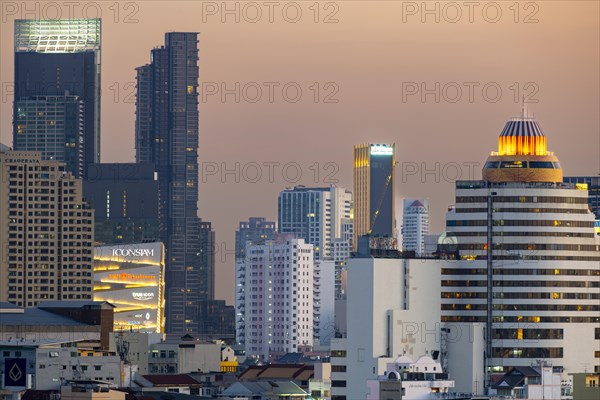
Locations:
381 150
133 252
142 296
132 278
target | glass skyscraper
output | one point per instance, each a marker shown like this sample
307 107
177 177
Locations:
315 215
54 126
57 77
374 198
167 135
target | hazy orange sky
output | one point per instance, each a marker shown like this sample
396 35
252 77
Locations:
371 61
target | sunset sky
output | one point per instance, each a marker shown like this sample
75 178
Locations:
370 61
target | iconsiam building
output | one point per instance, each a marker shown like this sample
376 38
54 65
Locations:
529 261
131 277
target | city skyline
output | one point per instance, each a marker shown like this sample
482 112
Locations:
563 97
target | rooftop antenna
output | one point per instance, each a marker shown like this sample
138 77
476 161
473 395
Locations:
523 109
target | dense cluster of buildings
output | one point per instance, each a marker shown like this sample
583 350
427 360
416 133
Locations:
107 273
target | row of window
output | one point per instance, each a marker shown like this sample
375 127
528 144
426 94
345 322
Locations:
549 284
525 210
520 222
522 271
522 319
529 233
521 295
521 307
522 199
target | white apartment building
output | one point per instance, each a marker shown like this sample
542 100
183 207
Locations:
276 313
415 225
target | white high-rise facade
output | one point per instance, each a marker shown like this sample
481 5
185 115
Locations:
277 311
529 262
415 225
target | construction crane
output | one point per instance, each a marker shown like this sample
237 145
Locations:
381 197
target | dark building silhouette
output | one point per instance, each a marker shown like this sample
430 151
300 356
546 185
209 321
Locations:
256 228
167 136
57 76
125 199
374 198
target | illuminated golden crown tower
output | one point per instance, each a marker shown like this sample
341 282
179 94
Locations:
522 155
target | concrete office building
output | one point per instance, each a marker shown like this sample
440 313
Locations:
275 315
529 264
46 229
256 228
182 355
57 78
374 198
415 225
124 197
317 215
131 277
393 310
49 363
56 341
166 134
341 253
323 302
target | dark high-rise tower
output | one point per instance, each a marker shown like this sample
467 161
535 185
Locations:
374 198
57 77
167 135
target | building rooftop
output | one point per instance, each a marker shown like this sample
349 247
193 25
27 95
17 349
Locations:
171 380
6 307
515 377
253 388
75 304
35 316
21 342
301 372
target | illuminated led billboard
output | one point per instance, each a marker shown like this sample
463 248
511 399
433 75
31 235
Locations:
381 150
131 276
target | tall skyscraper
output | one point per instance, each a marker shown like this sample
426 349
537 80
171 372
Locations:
317 215
57 90
415 225
277 312
529 261
167 136
125 201
374 197
46 231
256 228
